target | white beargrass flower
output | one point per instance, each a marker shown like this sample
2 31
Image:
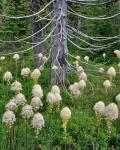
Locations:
111 112
27 112
79 70
83 76
10 105
40 55
107 85
36 103
117 52
55 89
16 57
119 65
25 72
20 99
99 108
82 84
65 114
54 67
58 97
118 100
51 99
2 58
86 58
77 63
35 74
76 85
7 76
104 55
44 58
37 91
16 86
9 118
74 89
41 68
77 58
111 73
38 122
101 70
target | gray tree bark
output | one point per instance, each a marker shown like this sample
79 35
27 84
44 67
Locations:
36 26
59 42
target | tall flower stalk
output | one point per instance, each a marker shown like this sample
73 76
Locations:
65 115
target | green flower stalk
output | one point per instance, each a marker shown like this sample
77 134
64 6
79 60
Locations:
111 113
16 57
65 115
37 124
9 119
99 109
26 114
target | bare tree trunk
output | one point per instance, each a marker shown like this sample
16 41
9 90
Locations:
59 42
36 26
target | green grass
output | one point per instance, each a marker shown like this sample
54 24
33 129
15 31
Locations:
82 127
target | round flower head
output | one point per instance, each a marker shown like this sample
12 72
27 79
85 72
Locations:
107 84
27 112
79 70
99 108
35 74
9 118
37 91
77 58
7 76
86 58
36 103
16 57
119 65
111 72
16 86
117 52
82 84
41 68
25 72
76 85
65 114
74 89
83 76
118 100
54 67
51 99
104 55
20 99
11 106
44 58
38 122
40 55
58 97
77 63
101 70
2 58
55 89
111 112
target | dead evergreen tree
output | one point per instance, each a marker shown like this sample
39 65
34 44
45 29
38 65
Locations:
59 42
